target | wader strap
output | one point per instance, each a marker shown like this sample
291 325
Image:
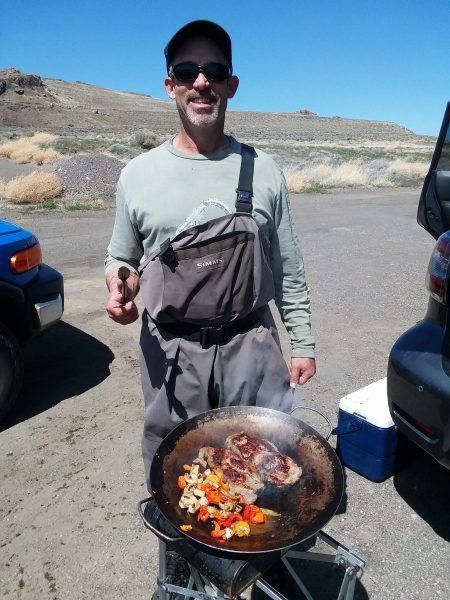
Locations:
244 197
244 189
213 335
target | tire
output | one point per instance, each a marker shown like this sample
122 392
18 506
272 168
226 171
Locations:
11 370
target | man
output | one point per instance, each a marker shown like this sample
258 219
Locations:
208 339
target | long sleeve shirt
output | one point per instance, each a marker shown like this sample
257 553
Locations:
164 190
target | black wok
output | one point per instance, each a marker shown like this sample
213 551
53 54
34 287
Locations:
304 508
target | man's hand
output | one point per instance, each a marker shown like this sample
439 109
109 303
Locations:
301 369
122 312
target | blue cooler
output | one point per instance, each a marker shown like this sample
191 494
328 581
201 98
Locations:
366 434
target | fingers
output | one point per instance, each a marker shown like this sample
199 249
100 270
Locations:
123 314
118 312
302 369
126 314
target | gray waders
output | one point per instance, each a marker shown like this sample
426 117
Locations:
208 338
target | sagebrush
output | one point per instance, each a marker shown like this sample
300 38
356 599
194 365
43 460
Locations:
147 139
29 149
33 188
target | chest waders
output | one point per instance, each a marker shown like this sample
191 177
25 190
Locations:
208 338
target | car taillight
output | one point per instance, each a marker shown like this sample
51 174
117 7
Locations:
438 274
27 259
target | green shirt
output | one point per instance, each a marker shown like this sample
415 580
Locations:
164 190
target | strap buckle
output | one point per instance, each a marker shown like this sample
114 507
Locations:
167 254
243 201
211 335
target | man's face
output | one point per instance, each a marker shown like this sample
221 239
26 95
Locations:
201 103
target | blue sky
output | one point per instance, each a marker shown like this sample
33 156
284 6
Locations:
380 59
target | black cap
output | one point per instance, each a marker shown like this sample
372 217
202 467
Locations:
206 29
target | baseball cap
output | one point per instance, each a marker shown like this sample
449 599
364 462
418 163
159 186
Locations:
200 28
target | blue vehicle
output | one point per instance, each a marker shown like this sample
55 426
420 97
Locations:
31 300
418 377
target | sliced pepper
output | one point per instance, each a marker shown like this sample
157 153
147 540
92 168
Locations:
254 514
227 521
241 528
212 496
185 527
203 514
217 532
182 482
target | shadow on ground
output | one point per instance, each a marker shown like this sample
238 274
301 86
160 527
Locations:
424 484
62 363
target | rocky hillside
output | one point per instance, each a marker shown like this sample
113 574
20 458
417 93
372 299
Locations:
42 104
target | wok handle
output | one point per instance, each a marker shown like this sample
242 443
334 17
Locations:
162 536
320 413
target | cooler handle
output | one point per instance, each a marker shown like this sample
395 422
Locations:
350 427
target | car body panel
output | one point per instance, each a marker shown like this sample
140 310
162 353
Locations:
418 376
30 301
13 239
418 387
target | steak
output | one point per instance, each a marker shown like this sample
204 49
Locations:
241 476
263 456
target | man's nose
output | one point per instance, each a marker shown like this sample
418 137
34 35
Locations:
201 82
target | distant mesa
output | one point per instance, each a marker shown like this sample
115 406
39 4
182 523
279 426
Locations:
12 78
39 103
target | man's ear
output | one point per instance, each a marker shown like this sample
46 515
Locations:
233 83
170 87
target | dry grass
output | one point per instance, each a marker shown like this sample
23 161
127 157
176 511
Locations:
29 150
33 188
356 173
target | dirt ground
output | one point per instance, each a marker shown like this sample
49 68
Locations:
70 465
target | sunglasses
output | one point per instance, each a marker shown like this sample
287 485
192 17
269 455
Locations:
188 72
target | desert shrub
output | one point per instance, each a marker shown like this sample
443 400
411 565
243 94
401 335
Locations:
326 175
48 204
406 172
332 173
29 149
123 151
73 145
33 188
42 138
119 149
147 139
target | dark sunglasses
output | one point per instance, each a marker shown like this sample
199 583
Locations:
188 72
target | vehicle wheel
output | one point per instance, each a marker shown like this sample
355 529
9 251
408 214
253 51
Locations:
11 370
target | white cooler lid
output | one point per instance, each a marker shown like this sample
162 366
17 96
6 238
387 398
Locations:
369 402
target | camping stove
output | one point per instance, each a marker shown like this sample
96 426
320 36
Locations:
225 576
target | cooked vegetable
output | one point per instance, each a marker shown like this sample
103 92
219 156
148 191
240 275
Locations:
208 496
254 514
241 528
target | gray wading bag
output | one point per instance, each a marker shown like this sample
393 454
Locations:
213 273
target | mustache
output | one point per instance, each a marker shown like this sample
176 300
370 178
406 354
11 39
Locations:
206 96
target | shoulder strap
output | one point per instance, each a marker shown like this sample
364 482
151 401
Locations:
244 189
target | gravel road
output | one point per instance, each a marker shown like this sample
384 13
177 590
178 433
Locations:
70 454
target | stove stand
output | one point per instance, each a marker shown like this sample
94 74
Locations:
213 575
